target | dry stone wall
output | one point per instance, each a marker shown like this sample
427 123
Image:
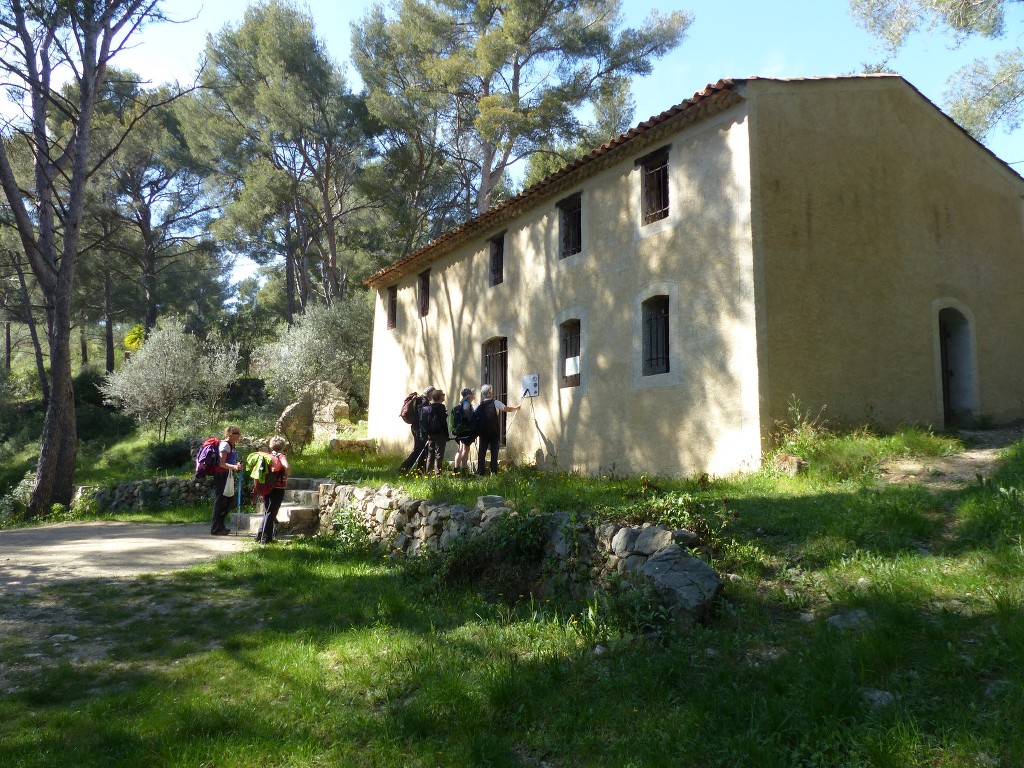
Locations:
154 493
409 526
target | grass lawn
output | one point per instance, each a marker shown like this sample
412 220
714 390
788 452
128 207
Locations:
310 654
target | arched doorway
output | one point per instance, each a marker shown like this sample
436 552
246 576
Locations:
957 356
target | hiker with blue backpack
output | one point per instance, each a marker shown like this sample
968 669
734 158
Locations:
223 470
462 429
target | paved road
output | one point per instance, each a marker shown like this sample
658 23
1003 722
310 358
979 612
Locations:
55 553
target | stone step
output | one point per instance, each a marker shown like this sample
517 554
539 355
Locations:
306 483
302 497
291 519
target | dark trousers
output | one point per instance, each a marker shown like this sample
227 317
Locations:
435 451
492 443
271 503
221 503
418 455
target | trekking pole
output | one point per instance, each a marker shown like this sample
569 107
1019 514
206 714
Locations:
516 413
238 506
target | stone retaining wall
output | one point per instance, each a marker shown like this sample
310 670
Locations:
407 526
154 493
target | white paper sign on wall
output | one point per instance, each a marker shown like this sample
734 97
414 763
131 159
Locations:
529 385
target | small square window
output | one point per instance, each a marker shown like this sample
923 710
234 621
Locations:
424 293
498 259
655 336
654 185
571 353
392 304
570 226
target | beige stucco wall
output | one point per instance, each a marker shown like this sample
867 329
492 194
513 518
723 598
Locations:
701 416
872 211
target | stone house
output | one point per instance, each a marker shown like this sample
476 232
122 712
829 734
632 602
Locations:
835 241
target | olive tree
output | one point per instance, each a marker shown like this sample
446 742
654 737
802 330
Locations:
326 343
170 370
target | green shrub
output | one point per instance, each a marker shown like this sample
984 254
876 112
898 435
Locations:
503 564
86 386
174 454
245 392
98 422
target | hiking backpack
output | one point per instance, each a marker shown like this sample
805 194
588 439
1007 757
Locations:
458 422
207 457
485 419
265 469
408 412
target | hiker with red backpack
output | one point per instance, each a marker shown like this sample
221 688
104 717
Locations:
227 463
271 490
410 414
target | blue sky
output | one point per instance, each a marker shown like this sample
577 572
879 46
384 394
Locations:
729 38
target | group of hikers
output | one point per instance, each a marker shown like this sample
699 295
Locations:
433 427
270 471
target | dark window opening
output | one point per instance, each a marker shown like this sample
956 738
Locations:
424 293
495 373
654 168
571 353
392 306
655 336
498 259
570 226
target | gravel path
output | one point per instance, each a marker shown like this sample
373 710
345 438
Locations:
49 554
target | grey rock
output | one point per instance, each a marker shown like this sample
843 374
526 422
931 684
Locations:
491 516
807 618
633 562
685 538
401 542
409 507
877 699
486 502
623 542
64 638
856 619
652 540
296 422
687 584
605 532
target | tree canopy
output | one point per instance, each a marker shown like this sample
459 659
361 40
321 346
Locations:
505 80
981 95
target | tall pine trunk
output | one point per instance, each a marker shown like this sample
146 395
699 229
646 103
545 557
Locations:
55 471
108 323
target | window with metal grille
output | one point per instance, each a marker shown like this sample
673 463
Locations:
654 185
570 226
424 293
571 357
655 336
392 306
498 259
495 373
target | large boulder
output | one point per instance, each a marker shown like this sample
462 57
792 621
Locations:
329 410
296 422
687 584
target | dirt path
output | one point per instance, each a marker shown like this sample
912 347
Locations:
944 473
48 554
